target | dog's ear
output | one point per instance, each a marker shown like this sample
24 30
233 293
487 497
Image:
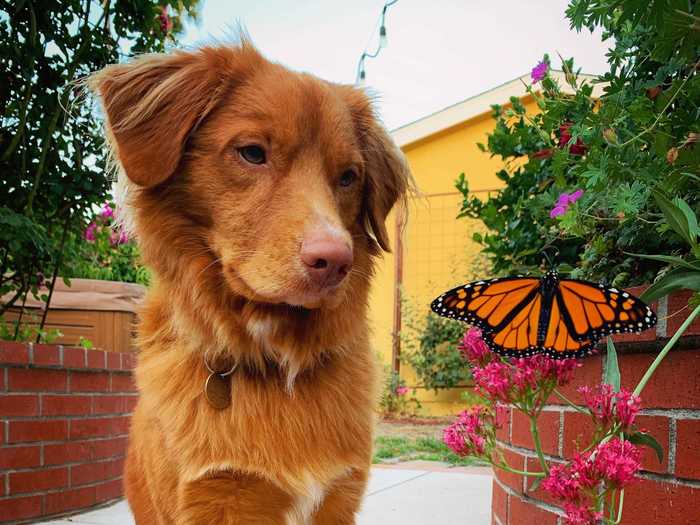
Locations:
387 177
153 103
387 180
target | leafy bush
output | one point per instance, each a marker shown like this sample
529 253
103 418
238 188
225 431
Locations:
395 399
429 346
612 153
51 154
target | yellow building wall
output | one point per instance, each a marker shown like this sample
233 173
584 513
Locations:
438 250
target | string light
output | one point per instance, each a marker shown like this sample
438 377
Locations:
383 42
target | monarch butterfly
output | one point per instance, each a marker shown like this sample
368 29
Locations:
523 316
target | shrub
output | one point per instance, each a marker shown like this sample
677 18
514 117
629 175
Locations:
612 153
51 154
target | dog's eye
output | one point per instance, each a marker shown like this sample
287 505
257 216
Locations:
347 178
253 154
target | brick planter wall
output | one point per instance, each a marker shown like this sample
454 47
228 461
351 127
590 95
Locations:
668 492
64 417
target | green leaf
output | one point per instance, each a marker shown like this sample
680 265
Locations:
647 440
671 259
675 217
689 215
678 279
612 370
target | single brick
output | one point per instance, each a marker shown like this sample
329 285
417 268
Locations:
688 448
25 431
110 405
19 405
74 357
96 359
578 431
66 405
123 383
499 502
91 472
36 380
21 508
38 480
69 500
651 502
89 381
107 448
14 353
20 457
72 452
47 355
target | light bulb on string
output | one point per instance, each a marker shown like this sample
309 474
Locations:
383 42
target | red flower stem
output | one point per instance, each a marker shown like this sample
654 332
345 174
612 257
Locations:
671 342
538 444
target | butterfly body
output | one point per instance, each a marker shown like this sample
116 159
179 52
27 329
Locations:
522 316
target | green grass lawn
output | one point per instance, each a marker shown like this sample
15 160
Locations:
418 448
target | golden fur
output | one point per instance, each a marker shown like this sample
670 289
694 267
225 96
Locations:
222 238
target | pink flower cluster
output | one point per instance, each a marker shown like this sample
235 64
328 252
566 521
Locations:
467 436
401 390
563 203
613 464
104 218
609 407
508 382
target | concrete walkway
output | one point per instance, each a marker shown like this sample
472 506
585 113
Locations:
415 493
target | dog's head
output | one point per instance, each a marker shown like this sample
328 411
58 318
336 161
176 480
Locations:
277 179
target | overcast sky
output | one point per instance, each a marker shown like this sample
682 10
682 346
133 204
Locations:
440 52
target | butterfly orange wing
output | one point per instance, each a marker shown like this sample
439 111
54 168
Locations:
487 304
593 311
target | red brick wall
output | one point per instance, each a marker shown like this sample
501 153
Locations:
64 418
668 492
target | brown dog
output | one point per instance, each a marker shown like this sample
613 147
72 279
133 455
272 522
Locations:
259 197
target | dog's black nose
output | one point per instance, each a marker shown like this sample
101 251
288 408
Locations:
327 258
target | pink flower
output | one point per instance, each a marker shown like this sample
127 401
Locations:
581 515
166 23
107 211
90 232
609 407
467 435
474 348
569 482
493 380
617 462
118 237
402 390
539 71
557 211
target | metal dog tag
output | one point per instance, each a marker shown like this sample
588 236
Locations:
217 390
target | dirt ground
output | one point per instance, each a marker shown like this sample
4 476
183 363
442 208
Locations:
412 428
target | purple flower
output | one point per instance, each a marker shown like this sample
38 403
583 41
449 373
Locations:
557 211
563 203
539 71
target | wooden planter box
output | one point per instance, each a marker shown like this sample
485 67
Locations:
102 311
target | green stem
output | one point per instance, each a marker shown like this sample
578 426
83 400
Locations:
569 402
508 468
660 115
619 507
538 444
671 342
